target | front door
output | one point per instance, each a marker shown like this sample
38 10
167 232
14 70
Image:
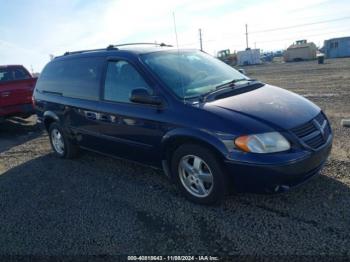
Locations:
132 131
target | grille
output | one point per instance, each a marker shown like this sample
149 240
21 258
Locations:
314 133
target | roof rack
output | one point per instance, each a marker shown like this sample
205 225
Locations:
83 51
113 47
161 44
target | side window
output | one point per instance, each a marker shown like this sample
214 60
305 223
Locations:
20 73
5 74
78 77
10 74
49 79
82 77
121 79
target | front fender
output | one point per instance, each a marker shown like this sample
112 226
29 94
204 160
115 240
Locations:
199 135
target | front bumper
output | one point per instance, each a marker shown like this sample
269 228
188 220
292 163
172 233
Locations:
276 173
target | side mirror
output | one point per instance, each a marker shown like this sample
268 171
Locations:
141 96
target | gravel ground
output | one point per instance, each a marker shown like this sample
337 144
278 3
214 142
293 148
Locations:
98 205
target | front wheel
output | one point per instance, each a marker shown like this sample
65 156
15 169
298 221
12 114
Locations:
198 174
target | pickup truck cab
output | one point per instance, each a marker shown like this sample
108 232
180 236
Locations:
16 89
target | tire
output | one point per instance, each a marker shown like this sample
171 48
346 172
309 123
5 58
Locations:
65 148
191 166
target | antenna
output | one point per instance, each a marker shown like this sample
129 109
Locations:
246 35
177 42
200 39
178 54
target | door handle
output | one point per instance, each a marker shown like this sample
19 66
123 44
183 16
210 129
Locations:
91 115
104 118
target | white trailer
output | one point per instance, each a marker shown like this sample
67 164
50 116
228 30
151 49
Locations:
249 57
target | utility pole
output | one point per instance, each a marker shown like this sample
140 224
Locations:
246 35
200 39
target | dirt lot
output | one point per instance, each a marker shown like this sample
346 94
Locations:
99 205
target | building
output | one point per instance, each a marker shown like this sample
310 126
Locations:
299 51
249 57
337 47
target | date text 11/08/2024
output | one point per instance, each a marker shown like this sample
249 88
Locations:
173 258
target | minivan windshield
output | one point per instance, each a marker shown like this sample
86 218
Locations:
190 74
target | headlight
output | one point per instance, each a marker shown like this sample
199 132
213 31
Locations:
263 143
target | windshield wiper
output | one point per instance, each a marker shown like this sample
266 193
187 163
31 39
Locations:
222 88
233 82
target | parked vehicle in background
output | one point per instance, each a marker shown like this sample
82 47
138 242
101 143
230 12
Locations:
301 50
249 57
227 57
337 47
208 126
16 89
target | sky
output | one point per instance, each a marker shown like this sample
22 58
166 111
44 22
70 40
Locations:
32 30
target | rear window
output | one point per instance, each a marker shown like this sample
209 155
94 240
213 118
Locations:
13 73
77 78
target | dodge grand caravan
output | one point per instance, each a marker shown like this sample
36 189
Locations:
210 128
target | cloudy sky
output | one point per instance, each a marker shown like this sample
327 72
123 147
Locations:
32 30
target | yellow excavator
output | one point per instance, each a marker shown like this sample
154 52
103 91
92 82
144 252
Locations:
227 57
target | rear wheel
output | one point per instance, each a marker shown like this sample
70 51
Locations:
61 143
198 174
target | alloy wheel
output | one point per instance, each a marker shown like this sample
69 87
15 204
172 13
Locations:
196 176
57 141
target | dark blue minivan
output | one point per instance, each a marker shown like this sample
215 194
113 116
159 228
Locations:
208 126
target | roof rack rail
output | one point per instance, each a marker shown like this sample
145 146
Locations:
113 47
126 44
83 51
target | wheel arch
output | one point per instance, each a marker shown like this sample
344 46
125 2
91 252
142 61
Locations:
175 138
49 118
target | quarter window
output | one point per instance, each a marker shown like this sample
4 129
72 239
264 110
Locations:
121 79
77 78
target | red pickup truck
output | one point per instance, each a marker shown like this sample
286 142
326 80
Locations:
16 89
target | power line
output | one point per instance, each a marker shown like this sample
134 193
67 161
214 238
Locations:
276 29
300 25
287 39
268 41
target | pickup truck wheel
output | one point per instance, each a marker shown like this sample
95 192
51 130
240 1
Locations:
198 174
60 142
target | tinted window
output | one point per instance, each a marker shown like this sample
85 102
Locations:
121 79
13 73
78 78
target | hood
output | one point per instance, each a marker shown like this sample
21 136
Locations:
271 105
